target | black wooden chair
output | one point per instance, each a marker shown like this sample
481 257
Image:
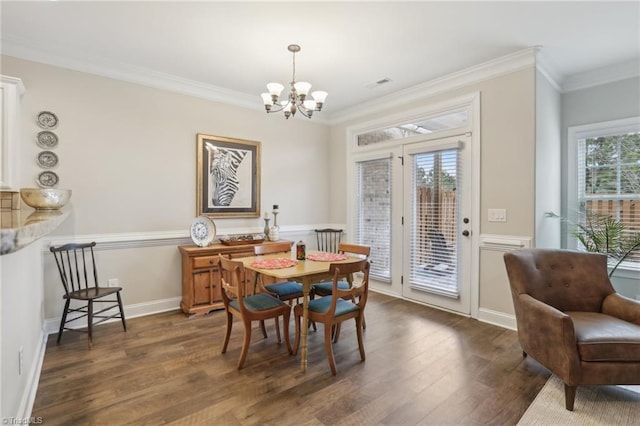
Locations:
328 239
77 266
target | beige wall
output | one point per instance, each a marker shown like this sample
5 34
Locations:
128 152
507 169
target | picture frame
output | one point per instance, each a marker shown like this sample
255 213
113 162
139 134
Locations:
228 177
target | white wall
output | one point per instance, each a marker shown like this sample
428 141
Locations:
22 301
548 162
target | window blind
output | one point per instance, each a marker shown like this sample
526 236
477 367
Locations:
373 213
609 186
434 231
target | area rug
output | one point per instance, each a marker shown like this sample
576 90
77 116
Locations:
594 405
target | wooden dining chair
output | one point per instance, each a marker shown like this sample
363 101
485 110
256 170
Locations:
286 291
328 239
341 306
324 288
248 307
79 275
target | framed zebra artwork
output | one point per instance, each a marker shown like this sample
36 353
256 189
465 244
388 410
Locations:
228 177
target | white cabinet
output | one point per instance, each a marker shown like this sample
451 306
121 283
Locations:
11 91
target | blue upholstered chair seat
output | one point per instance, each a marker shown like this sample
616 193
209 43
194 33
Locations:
286 289
322 305
258 302
327 287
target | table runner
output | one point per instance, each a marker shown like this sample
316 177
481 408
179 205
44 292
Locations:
276 263
324 256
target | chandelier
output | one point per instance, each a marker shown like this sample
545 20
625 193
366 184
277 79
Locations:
297 100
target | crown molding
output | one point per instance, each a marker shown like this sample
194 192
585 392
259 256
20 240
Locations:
12 46
599 76
532 56
504 65
548 70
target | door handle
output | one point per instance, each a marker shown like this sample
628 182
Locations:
465 233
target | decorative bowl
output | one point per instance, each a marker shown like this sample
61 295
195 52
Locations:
45 198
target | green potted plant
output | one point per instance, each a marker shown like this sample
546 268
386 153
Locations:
604 234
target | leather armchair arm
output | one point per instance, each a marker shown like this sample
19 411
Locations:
621 307
547 334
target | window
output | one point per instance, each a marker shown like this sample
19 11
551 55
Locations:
438 123
374 213
608 177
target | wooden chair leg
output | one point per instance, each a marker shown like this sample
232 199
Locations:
64 319
124 323
228 333
278 330
569 396
296 343
329 346
336 332
285 325
90 322
359 328
245 343
263 328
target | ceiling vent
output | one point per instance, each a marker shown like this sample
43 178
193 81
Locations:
378 83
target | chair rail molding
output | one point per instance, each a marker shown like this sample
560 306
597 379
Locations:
168 238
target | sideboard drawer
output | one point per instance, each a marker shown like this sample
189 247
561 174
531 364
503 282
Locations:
204 262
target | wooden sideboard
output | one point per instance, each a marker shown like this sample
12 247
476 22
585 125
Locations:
201 292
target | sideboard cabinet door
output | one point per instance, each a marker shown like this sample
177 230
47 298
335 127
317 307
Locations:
201 292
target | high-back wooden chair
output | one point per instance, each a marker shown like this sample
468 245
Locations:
328 239
341 306
248 307
287 291
79 275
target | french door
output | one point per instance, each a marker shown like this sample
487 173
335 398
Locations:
437 222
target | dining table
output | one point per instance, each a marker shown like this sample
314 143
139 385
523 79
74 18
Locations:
285 267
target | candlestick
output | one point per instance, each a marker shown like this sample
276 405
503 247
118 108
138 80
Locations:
266 227
266 215
275 219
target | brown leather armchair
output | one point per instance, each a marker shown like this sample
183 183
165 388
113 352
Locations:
571 320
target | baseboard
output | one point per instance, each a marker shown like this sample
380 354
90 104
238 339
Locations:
130 311
29 395
497 318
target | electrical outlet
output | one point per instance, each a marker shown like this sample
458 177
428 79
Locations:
113 282
20 360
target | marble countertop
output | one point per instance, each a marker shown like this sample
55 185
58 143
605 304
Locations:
19 228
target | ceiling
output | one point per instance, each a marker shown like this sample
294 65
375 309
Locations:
235 48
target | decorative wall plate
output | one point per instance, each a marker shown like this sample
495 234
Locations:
203 231
47 159
47 139
47 120
47 179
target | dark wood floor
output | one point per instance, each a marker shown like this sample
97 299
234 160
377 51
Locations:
423 367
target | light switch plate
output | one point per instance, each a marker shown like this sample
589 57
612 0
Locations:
497 215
